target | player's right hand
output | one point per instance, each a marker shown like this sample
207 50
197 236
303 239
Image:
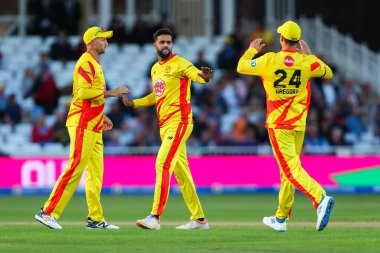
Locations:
126 100
305 47
257 44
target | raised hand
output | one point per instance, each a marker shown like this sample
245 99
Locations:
206 73
257 44
305 47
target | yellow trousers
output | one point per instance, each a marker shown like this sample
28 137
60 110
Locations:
287 147
86 151
171 158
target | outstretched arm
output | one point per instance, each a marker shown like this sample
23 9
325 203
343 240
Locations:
86 90
126 101
193 73
116 92
148 100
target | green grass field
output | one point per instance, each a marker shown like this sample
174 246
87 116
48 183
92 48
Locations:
235 222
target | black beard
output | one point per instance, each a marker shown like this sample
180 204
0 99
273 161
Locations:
163 55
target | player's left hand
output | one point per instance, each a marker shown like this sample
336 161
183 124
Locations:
107 123
120 90
206 73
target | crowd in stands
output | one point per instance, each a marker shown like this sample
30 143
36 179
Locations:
51 16
229 111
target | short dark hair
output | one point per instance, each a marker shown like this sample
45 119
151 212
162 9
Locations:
290 42
163 31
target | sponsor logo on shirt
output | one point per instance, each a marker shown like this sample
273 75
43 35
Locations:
253 63
167 71
289 61
159 87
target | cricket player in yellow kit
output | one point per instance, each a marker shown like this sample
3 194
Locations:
85 122
171 80
286 78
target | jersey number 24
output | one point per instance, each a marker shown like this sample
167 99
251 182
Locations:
294 80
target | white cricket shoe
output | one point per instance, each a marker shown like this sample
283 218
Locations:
100 225
195 224
323 212
47 220
273 223
150 222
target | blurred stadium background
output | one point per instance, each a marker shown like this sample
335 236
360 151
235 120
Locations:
40 41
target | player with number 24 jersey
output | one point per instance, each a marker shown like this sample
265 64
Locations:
286 78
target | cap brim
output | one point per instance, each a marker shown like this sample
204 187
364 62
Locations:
279 29
107 34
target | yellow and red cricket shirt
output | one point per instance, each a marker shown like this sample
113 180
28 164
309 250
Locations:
171 82
286 78
87 105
